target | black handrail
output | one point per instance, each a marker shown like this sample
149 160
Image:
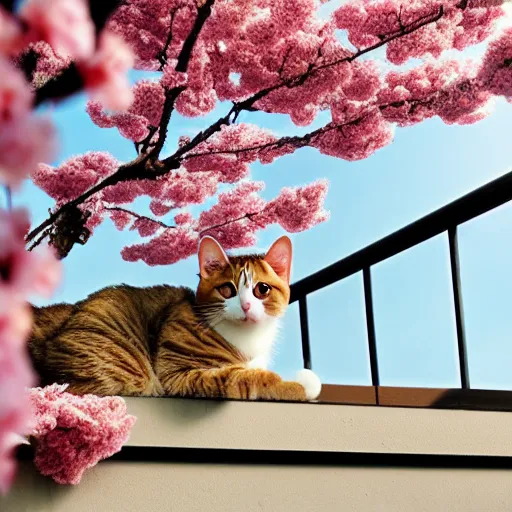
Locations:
445 219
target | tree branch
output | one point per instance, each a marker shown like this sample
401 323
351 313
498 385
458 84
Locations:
246 216
171 95
296 141
8 5
140 217
144 144
248 103
131 171
162 54
203 14
101 10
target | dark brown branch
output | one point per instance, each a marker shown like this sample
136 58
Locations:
166 226
162 54
68 82
131 171
140 217
43 235
296 141
171 95
248 216
27 63
101 10
8 5
144 144
203 14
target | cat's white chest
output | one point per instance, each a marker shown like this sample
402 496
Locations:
255 342
260 362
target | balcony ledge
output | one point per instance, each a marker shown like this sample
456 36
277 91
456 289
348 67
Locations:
317 427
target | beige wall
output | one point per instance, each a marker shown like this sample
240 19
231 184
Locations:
138 487
116 486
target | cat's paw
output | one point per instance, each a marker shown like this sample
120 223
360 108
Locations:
310 382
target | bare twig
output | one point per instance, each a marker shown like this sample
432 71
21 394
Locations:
248 216
140 217
162 54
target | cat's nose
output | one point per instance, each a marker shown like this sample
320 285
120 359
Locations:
246 307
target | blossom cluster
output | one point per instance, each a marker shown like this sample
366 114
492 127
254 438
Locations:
21 273
73 433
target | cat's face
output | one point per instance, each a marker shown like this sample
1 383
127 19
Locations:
245 290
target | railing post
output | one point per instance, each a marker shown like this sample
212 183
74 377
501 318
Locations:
459 311
370 326
304 331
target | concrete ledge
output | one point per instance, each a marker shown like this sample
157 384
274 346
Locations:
185 423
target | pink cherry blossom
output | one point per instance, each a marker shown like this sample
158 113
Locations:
166 248
74 176
73 433
131 126
24 142
145 227
495 75
21 273
10 33
298 209
65 25
104 73
24 139
49 63
120 218
183 218
457 26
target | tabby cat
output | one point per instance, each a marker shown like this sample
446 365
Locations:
165 340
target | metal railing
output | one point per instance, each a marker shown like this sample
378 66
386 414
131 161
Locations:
445 220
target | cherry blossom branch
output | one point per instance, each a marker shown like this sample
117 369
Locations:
162 55
248 216
171 95
297 141
248 103
145 168
140 217
203 13
137 216
404 30
143 145
131 171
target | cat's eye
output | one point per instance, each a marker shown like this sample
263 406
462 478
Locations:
227 290
261 290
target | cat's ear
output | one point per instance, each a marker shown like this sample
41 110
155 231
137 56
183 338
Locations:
279 257
211 256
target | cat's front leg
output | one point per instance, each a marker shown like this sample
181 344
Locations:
243 383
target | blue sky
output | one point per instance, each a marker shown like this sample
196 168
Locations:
427 166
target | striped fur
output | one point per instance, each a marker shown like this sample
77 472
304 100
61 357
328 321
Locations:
159 340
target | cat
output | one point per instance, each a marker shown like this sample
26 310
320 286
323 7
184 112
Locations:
167 340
